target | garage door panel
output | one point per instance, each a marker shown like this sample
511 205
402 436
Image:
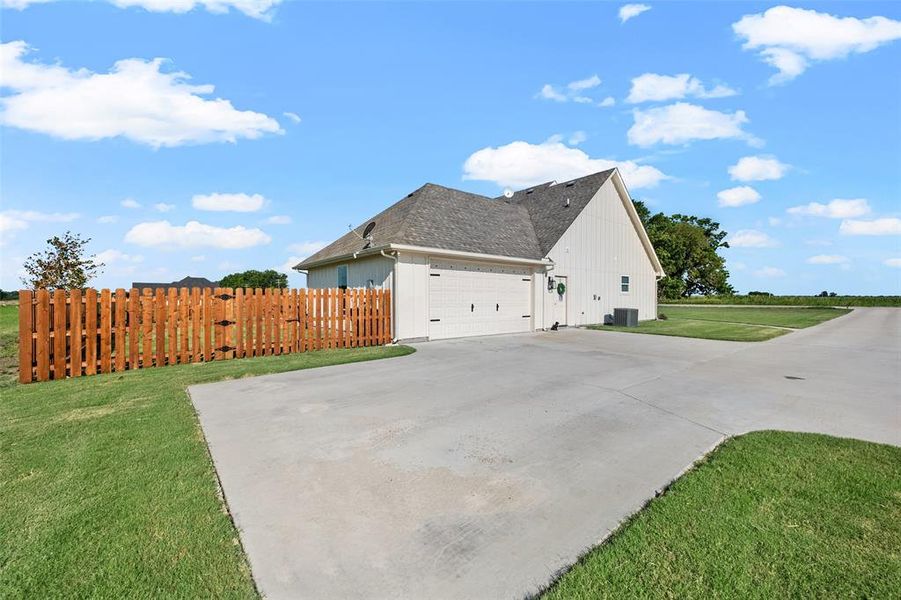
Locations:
478 299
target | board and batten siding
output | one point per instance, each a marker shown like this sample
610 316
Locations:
359 273
599 247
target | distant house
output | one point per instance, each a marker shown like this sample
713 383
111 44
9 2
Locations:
187 282
461 264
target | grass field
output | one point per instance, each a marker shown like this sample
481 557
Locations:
106 485
767 515
793 300
738 324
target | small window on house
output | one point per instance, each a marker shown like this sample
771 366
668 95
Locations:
624 283
342 277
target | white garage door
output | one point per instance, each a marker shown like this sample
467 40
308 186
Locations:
467 298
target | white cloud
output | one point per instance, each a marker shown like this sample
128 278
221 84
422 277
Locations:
883 226
258 9
774 221
630 11
130 203
682 122
575 91
117 262
279 220
738 196
134 100
548 92
790 38
584 84
194 234
288 265
836 209
892 262
827 259
112 256
521 164
607 102
652 87
163 207
305 249
106 219
9 223
198 258
32 216
769 272
757 168
577 138
751 238
294 117
228 202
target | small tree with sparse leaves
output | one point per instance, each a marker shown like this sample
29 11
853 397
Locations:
62 265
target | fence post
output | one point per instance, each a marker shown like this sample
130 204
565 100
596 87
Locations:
207 324
26 337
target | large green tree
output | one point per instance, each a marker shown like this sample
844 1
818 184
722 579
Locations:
62 265
269 278
688 249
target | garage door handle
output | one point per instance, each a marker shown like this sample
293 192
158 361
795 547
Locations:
497 307
472 307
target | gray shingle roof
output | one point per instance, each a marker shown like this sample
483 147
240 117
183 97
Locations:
527 225
187 282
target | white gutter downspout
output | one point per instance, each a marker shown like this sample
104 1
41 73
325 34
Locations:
394 294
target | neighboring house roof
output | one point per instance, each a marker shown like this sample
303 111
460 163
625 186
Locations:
187 282
525 225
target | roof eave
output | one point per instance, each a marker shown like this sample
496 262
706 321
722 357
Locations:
311 264
303 266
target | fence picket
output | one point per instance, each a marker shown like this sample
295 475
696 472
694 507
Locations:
59 334
184 350
105 348
119 329
146 328
75 328
159 311
26 341
134 318
90 332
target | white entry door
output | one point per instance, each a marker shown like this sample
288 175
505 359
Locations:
558 302
469 298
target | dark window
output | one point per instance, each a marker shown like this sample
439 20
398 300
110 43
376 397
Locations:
342 277
624 283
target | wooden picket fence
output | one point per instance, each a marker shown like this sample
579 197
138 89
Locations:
85 332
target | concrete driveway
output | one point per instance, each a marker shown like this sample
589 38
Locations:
479 468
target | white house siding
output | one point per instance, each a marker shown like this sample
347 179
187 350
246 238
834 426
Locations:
359 273
599 247
412 296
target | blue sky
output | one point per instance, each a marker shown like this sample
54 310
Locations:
302 118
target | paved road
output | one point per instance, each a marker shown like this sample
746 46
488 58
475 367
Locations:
478 468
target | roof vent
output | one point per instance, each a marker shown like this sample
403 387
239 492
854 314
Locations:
566 203
529 191
570 184
508 193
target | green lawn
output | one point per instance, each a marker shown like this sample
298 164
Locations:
106 486
9 347
738 324
767 515
792 300
795 318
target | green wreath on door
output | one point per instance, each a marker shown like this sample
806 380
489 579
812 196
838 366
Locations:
561 288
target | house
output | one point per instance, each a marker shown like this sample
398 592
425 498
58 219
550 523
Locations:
461 264
187 282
